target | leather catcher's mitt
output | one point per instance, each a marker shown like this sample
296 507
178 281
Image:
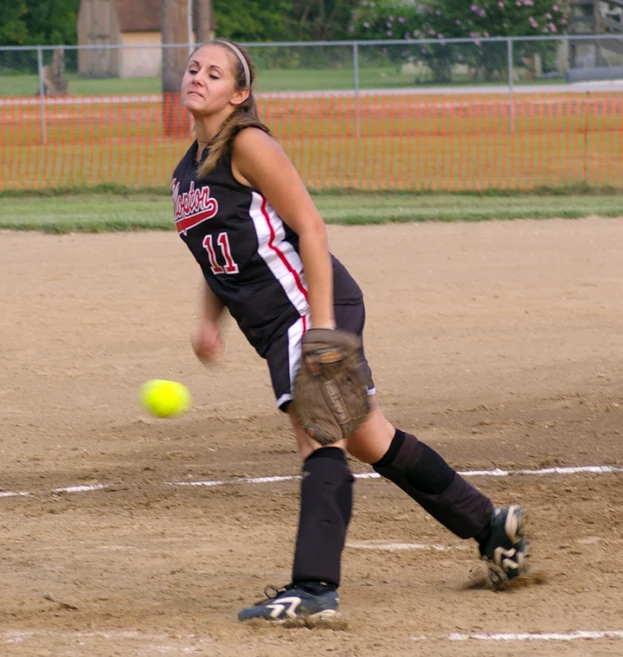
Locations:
330 388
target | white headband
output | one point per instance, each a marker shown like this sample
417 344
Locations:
243 61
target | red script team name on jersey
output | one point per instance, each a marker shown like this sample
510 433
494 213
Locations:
192 207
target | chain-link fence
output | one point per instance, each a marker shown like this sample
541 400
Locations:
431 114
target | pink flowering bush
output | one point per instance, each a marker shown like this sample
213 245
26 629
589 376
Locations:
478 19
389 19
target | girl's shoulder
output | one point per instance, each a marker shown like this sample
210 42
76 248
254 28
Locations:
249 135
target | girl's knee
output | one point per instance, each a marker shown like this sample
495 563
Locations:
372 439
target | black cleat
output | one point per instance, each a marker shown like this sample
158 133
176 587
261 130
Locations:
291 603
506 550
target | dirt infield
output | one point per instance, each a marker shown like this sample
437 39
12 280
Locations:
499 343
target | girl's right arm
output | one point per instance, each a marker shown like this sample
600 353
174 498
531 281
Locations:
207 342
212 306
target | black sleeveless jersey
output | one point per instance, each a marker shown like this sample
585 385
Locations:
248 255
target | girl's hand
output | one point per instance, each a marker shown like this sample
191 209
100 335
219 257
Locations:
207 343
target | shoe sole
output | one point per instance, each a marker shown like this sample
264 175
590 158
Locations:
329 619
325 614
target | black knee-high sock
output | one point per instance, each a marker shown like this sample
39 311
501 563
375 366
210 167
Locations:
326 506
431 482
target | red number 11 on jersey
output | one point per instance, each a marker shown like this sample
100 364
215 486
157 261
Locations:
223 241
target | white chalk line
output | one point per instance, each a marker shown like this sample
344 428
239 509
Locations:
214 483
397 547
497 472
20 636
575 635
84 488
162 641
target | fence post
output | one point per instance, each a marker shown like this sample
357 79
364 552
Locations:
189 26
44 135
585 130
511 103
356 85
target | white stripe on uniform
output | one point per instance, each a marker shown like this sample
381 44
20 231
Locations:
278 254
295 334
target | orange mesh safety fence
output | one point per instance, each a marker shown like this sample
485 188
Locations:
375 141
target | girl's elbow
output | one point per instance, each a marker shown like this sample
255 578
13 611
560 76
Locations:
314 230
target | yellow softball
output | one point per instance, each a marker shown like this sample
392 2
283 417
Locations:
165 398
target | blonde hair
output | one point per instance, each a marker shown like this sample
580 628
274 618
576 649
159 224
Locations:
244 115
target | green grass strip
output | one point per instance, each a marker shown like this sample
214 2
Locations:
113 211
115 189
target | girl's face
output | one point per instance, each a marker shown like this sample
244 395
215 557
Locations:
208 85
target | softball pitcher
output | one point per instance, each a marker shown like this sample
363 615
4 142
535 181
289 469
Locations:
244 213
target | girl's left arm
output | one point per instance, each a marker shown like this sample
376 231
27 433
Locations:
260 162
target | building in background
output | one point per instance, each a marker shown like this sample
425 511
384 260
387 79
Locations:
130 23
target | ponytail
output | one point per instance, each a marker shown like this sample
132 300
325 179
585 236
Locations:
244 116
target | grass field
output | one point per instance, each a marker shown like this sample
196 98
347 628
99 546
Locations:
103 212
268 80
294 79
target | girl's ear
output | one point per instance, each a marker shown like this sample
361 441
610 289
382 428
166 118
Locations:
240 96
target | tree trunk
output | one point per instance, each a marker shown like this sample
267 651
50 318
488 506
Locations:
176 121
205 26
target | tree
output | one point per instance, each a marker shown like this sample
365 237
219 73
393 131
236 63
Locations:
284 20
13 29
323 20
35 22
174 30
254 20
205 27
38 22
52 22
